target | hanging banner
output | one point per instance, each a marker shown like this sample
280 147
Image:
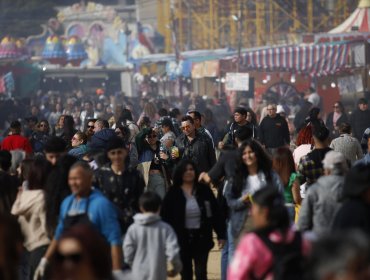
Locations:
237 81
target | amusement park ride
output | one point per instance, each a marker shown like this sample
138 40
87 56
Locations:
213 24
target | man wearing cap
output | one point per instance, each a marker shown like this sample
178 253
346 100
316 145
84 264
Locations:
274 131
15 141
360 119
240 120
119 183
323 198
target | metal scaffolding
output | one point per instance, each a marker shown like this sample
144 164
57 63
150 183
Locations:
212 24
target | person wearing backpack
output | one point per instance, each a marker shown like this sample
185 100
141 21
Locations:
273 250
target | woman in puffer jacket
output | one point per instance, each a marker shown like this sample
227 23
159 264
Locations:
29 206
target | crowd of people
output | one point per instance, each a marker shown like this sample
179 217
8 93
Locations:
115 188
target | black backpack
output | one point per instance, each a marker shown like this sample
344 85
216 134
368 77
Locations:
287 258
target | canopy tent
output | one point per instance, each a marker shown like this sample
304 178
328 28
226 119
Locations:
358 21
314 59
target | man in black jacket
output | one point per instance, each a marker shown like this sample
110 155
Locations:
274 132
194 146
360 119
240 120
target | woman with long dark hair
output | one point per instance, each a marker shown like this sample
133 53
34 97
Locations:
253 172
254 258
192 210
283 164
58 128
30 209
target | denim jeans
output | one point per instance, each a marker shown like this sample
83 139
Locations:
231 242
224 260
227 252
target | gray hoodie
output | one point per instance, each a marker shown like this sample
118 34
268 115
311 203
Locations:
149 246
321 204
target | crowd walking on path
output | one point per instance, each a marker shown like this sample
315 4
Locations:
140 190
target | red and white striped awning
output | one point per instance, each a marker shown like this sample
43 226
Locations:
358 21
314 60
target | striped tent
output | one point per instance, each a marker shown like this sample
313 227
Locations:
314 60
358 21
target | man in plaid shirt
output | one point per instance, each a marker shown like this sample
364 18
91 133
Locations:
310 166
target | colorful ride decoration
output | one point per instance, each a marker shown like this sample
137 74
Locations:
21 45
9 49
54 51
75 51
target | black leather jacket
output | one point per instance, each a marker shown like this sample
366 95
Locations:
199 150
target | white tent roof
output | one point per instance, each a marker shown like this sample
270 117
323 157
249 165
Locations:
358 21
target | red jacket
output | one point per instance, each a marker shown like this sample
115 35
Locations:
16 142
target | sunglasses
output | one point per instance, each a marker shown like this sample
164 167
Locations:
75 257
90 126
152 136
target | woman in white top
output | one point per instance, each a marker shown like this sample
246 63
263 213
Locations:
253 172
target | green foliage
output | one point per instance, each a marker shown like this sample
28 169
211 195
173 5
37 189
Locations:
22 18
